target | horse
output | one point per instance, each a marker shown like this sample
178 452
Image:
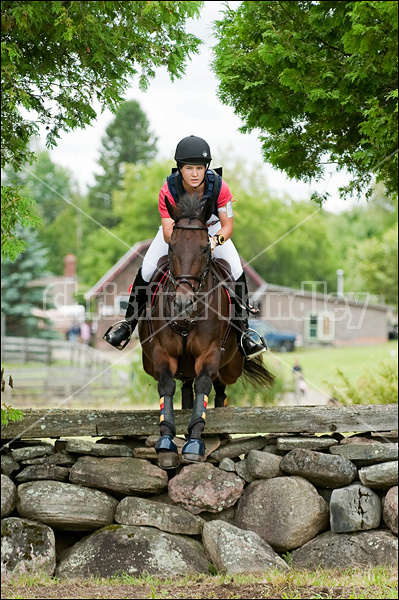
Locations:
188 333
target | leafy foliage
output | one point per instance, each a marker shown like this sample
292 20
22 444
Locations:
8 413
59 57
379 386
16 210
319 82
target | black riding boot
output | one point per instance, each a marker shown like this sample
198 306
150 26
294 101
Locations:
248 347
137 303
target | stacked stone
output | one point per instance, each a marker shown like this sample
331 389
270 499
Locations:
76 508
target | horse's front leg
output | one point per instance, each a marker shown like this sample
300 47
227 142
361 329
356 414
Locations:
194 448
165 447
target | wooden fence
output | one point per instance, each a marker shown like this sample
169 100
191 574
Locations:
21 350
55 423
67 370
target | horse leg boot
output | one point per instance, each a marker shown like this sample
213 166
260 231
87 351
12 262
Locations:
168 457
137 303
194 449
248 347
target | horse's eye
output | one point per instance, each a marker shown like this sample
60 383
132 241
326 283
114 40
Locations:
205 249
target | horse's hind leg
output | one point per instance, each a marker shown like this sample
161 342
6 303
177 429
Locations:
187 394
194 449
220 393
165 447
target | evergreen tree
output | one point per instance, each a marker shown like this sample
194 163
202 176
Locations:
127 141
19 296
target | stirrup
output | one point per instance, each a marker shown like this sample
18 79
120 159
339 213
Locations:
263 343
122 345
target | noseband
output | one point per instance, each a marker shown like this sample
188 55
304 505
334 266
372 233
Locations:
178 280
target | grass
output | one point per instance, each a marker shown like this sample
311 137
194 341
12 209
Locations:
320 364
356 583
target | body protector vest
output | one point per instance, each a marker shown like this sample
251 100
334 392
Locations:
213 185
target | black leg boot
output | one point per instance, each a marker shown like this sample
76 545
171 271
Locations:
137 303
248 347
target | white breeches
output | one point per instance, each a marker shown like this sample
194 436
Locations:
160 248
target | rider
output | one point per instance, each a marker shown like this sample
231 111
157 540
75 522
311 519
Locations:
193 157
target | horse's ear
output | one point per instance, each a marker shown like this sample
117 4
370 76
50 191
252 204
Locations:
207 210
172 209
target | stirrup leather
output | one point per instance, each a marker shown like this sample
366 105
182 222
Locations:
122 345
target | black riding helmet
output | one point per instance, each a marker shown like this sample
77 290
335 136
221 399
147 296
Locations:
193 150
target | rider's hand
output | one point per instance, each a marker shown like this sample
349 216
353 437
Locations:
213 242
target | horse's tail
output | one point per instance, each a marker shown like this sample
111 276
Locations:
256 373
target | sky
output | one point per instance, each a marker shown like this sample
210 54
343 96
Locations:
190 106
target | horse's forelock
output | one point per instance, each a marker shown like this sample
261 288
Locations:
190 207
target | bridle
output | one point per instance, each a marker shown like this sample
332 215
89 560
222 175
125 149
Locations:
178 280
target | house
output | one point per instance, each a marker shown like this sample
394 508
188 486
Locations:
316 316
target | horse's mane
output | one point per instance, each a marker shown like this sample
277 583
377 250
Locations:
190 207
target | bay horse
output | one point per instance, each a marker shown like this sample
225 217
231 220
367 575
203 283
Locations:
188 333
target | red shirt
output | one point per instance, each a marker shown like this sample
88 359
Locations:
224 197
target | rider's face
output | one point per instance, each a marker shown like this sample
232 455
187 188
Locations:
193 175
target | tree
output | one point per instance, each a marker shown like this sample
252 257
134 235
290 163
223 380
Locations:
49 185
127 140
57 57
19 296
319 82
55 198
376 265
136 207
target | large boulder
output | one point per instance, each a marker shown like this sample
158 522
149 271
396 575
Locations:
65 506
140 511
26 547
345 550
324 470
285 511
233 550
8 495
381 477
390 512
123 476
203 487
133 550
263 465
354 508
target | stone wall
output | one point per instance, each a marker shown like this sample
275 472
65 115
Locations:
75 508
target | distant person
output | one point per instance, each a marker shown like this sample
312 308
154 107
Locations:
297 369
85 333
73 333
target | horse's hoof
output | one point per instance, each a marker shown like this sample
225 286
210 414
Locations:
168 460
193 450
167 453
166 443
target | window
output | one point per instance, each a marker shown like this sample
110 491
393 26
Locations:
320 327
121 303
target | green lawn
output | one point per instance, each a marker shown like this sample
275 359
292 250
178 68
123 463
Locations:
320 364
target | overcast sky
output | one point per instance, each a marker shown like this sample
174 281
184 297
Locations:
188 106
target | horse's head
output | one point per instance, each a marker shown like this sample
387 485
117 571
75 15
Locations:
189 250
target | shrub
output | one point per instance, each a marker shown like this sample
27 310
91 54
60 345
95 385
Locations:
377 387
